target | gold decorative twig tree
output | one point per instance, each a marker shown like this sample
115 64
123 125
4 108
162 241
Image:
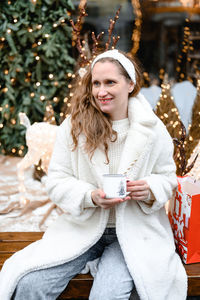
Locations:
167 111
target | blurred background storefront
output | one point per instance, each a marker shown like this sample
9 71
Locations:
165 35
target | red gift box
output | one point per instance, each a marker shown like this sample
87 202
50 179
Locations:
184 216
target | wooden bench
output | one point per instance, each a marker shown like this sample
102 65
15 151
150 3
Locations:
79 287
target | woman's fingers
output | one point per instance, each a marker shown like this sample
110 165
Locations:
139 190
138 185
140 193
111 202
98 197
139 196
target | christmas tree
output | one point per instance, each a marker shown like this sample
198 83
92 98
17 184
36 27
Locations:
184 144
121 189
35 64
167 111
194 130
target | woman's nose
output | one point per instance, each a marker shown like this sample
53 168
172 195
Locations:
102 91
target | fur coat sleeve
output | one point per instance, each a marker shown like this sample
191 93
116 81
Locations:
162 180
65 184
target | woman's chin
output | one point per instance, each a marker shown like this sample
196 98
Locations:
106 110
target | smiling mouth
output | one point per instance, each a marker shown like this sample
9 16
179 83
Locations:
105 100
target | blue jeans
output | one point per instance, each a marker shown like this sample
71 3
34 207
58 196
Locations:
112 281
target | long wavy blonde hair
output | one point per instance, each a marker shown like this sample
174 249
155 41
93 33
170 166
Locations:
86 116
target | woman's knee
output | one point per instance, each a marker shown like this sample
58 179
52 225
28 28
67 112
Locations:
112 291
113 280
24 287
27 285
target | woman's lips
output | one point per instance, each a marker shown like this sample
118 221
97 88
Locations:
105 100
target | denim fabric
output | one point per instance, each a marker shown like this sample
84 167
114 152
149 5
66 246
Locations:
111 282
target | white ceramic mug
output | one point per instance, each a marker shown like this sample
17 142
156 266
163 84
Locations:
114 185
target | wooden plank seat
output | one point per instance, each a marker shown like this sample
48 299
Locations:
79 287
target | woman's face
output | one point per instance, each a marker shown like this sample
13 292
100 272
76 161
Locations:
111 89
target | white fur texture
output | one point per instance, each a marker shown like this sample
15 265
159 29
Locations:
143 230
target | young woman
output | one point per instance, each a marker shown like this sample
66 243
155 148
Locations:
111 129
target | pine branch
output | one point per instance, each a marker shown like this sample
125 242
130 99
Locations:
35 43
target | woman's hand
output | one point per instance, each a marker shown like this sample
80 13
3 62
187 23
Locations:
99 199
138 190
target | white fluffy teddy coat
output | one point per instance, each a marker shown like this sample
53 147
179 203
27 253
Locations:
143 230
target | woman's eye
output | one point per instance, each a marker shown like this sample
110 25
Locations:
110 82
95 83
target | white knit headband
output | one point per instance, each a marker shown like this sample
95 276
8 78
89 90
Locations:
124 61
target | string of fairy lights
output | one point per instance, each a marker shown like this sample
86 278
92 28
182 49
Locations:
136 35
187 44
195 170
186 144
165 108
36 84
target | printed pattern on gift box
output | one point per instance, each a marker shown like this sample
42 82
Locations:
180 220
184 212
